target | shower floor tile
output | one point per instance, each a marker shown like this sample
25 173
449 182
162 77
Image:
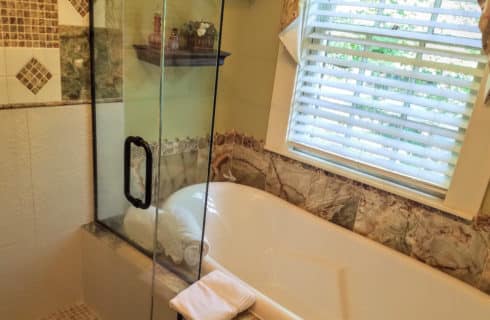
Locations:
75 312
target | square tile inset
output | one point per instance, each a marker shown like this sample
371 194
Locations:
81 6
34 76
29 23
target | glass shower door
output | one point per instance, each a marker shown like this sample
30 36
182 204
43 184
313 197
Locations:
154 78
191 59
127 123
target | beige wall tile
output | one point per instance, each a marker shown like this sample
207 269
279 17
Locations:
61 168
68 15
60 268
114 286
51 90
4 97
50 58
20 282
3 65
46 194
18 93
16 213
16 58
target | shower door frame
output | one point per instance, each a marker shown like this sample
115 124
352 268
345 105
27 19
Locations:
157 181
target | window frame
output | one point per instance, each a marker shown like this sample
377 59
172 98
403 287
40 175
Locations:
468 186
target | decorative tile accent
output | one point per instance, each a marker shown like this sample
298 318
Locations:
75 63
29 23
34 76
81 6
458 248
76 312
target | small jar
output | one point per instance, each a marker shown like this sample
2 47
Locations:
173 40
155 38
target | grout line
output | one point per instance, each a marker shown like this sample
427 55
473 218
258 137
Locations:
31 171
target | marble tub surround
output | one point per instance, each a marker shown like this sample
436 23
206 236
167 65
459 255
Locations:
183 162
454 246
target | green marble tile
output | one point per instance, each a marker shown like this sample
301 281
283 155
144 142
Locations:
75 63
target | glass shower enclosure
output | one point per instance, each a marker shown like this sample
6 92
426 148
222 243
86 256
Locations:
154 79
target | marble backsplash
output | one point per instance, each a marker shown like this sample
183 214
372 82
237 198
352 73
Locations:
183 162
454 246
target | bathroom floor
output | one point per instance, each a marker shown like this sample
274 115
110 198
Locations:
75 312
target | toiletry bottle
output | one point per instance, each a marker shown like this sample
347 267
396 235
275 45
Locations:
155 38
173 40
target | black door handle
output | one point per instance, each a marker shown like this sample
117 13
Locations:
139 142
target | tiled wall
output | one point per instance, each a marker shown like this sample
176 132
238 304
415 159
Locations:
45 195
453 246
45 162
44 54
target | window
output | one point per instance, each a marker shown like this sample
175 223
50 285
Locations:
386 88
389 85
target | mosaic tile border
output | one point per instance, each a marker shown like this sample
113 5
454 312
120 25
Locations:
29 23
456 247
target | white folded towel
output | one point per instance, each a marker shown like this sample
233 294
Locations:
179 234
216 296
139 226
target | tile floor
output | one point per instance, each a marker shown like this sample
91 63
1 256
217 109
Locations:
75 312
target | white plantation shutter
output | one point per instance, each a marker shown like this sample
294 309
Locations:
388 86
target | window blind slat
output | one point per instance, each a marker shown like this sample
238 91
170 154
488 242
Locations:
413 113
397 59
418 36
392 70
362 157
412 22
379 150
388 86
381 93
433 153
424 50
382 121
391 83
379 5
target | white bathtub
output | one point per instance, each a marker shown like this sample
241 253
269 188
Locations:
308 267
